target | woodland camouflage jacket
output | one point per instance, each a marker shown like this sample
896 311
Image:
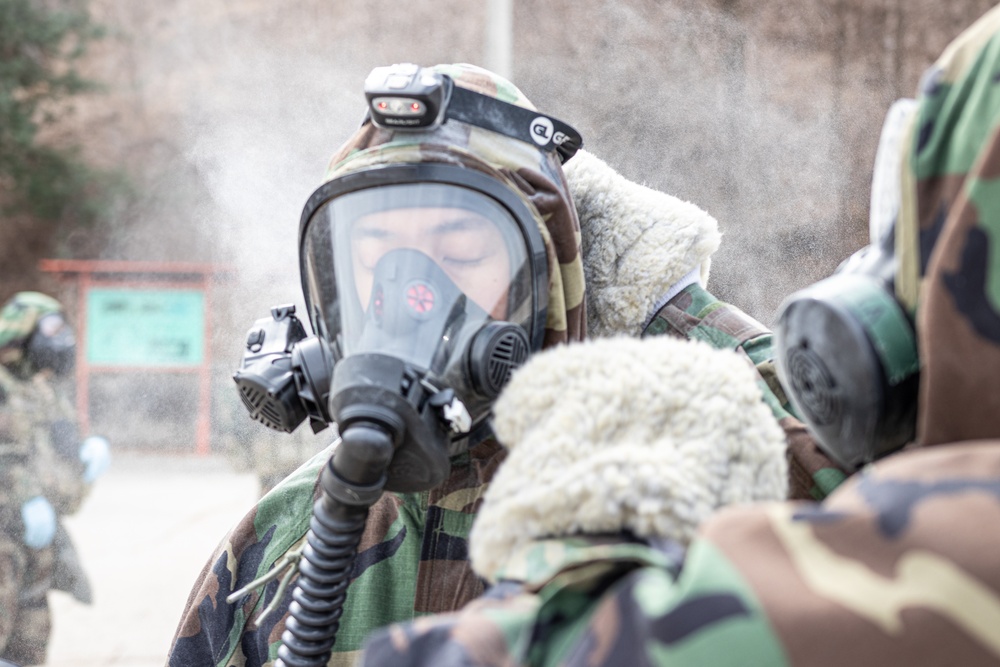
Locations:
38 448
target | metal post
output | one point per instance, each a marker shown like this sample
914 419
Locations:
204 428
499 37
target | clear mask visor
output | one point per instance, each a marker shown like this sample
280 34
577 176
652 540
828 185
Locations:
413 270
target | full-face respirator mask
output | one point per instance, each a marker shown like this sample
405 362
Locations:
426 285
847 348
52 345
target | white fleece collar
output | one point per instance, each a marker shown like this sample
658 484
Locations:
649 436
638 243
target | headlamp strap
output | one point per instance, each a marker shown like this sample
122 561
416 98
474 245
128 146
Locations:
513 121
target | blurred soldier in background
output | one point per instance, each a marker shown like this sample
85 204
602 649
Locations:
894 362
45 472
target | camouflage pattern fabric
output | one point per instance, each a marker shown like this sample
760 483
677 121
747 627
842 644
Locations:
954 165
899 564
867 578
695 313
39 444
412 560
18 318
413 557
32 414
509 623
25 621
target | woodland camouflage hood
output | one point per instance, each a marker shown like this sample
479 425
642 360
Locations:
948 234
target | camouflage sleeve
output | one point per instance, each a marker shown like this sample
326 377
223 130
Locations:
56 451
894 568
213 631
480 635
17 482
412 560
696 314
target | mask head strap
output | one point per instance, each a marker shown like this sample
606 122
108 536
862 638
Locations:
408 97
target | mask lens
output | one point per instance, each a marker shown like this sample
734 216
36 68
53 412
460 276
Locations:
472 245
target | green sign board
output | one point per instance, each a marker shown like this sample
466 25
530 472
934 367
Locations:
145 327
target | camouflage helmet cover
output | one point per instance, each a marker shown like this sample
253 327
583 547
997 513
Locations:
18 319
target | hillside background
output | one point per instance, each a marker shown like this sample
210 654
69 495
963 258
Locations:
222 115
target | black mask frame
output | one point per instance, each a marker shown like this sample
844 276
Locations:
408 173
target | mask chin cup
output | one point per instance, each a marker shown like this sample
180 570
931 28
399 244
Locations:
847 358
383 391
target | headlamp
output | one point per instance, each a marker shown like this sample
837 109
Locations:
409 97
404 96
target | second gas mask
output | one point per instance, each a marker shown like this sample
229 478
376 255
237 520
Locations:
847 348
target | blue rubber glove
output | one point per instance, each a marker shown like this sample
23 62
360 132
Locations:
39 522
95 452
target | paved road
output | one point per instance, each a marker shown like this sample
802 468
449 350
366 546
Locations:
143 533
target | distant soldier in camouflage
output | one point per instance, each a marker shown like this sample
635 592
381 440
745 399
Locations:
899 565
644 257
45 472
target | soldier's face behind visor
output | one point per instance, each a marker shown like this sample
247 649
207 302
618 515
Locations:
467 246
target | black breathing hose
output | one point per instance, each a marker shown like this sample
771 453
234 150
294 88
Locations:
351 482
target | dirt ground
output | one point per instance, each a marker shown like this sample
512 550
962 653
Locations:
143 535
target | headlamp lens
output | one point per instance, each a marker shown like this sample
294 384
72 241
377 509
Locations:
400 106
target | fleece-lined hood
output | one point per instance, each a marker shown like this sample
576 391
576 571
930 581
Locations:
640 246
648 436
948 234
535 175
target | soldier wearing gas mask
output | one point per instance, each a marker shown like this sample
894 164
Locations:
893 362
458 232
45 468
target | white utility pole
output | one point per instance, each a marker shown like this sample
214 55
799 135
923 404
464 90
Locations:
499 37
